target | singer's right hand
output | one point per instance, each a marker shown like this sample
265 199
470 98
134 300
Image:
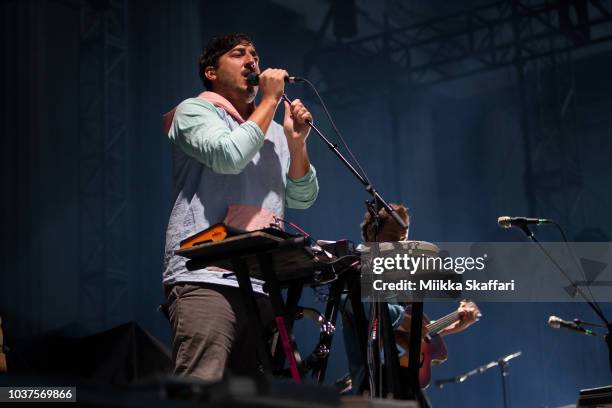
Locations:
272 83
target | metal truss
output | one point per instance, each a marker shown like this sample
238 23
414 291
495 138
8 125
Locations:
486 38
557 171
103 76
508 33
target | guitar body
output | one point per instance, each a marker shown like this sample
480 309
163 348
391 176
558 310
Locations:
433 351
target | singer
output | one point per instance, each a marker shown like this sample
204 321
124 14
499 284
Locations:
231 163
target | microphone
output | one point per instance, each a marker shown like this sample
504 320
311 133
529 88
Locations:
557 323
520 222
253 79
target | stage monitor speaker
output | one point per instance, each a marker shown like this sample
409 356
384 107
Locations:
119 356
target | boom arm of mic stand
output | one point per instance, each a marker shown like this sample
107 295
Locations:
451 380
578 290
388 340
478 370
368 187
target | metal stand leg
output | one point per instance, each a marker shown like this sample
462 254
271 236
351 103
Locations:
503 367
276 298
241 269
291 305
361 325
392 373
414 364
327 335
374 359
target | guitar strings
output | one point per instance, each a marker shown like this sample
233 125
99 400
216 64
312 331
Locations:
441 323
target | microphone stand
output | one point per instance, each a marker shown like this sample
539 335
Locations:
592 303
379 312
581 323
504 368
368 186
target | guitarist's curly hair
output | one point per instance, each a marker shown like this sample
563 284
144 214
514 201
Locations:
367 226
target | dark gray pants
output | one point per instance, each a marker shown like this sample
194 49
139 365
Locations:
211 331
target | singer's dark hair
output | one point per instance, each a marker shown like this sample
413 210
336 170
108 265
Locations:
367 226
215 48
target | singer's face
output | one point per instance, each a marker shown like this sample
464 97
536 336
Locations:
231 73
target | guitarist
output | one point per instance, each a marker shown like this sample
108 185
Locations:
466 314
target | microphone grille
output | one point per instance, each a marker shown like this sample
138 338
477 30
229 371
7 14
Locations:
504 221
253 78
554 322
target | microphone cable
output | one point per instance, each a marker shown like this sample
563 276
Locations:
336 130
572 255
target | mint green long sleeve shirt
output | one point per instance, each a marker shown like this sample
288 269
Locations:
200 131
218 163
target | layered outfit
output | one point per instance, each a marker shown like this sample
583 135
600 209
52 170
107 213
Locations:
224 167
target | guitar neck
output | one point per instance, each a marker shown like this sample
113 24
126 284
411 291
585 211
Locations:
442 323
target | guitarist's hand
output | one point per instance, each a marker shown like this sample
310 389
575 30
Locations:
468 315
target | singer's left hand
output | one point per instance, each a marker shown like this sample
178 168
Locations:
294 125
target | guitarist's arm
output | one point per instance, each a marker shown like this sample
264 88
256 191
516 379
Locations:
468 314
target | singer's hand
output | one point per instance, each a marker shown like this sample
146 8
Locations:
272 83
296 131
295 125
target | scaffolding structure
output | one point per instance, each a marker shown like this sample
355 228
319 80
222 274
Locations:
503 34
103 117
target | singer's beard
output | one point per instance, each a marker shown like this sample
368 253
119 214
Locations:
243 91
251 93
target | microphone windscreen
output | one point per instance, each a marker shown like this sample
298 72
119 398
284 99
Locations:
504 222
253 78
554 322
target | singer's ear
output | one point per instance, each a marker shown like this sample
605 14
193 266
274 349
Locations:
210 73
